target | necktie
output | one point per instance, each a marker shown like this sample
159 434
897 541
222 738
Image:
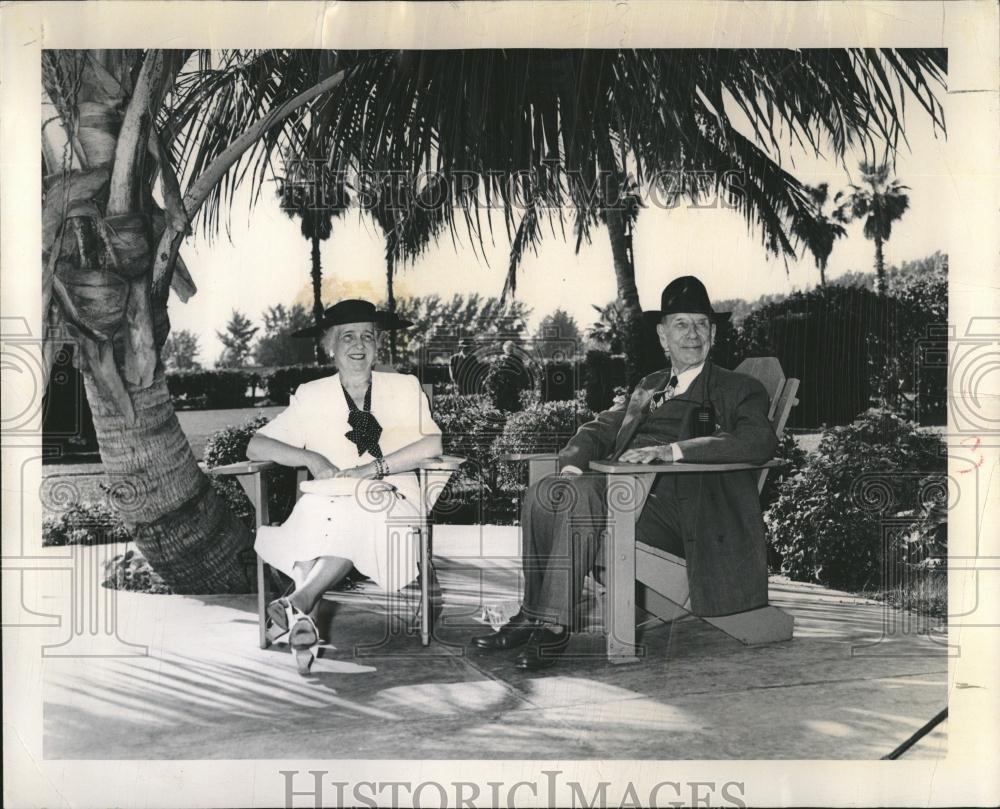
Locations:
664 395
365 430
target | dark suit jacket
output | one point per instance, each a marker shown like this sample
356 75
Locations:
722 526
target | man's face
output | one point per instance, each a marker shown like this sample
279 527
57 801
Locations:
353 347
686 338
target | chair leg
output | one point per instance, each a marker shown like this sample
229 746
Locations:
619 600
425 585
262 599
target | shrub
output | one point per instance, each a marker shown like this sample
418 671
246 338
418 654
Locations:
131 571
86 523
506 378
789 451
229 445
213 389
879 473
540 427
470 424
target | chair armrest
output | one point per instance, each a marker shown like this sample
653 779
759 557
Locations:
613 468
243 468
528 456
441 463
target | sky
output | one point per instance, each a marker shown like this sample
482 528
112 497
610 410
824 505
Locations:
265 261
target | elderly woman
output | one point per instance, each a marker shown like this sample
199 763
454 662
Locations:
360 433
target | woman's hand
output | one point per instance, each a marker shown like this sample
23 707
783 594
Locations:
366 471
320 467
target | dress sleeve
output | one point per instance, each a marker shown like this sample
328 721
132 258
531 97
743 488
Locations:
289 426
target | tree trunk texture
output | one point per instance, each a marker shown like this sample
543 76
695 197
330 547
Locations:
179 522
390 267
620 233
317 286
879 266
619 229
97 269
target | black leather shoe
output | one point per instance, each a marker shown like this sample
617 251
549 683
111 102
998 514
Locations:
511 635
543 649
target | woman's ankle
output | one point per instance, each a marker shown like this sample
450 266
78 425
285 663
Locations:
300 603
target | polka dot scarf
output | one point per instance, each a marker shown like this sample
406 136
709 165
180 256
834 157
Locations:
365 430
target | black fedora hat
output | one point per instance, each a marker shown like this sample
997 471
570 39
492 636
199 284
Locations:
687 295
354 310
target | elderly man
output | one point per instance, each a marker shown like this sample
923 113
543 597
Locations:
695 412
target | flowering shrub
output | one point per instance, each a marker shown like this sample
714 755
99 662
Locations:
877 476
86 523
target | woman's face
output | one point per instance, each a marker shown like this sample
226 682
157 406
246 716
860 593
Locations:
353 347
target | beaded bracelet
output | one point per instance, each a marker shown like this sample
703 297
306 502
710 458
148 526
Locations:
381 468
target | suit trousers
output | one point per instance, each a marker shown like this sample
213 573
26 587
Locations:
563 527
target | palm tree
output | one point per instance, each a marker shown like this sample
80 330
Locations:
119 125
819 232
880 203
409 220
537 132
315 195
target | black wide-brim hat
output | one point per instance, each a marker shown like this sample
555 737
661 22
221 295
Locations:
355 310
687 295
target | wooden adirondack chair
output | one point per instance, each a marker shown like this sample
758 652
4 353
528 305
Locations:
639 575
436 471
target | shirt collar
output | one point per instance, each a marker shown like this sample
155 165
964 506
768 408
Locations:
685 378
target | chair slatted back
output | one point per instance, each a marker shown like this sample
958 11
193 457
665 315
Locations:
780 390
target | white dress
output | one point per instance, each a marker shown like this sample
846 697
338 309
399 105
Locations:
362 520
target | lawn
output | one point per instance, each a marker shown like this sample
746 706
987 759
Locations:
198 425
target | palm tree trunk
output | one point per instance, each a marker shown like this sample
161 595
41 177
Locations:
822 273
184 528
390 304
620 233
180 524
619 228
317 286
879 266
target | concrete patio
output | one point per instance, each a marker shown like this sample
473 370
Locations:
856 680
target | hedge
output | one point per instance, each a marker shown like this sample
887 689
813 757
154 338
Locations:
280 383
212 389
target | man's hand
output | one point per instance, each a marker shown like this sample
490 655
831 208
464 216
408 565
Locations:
320 467
662 454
